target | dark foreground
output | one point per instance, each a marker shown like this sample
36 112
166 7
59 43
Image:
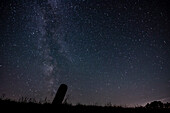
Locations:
6 106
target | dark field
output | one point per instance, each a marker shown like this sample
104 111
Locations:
13 106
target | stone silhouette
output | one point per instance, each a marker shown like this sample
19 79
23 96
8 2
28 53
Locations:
59 97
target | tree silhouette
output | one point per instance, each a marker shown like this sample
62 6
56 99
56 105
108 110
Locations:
167 105
155 105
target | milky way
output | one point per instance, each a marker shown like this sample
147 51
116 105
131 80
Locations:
50 27
104 50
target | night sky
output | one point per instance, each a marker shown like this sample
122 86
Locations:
114 51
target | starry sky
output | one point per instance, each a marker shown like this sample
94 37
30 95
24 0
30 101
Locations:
105 50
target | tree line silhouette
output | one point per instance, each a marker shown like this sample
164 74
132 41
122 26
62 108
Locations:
157 105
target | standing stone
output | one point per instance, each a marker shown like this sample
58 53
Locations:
59 97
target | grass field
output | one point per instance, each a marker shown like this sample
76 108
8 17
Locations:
28 105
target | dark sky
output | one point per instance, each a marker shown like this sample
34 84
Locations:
105 50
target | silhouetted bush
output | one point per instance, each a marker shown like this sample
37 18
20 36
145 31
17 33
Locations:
157 105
